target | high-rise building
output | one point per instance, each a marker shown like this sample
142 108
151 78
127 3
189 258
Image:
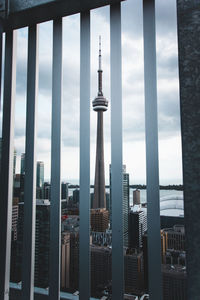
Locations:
15 209
42 235
137 227
40 174
100 105
74 260
64 190
22 163
76 193
101 258
16 191
136 197
46 190
125 203
174 282
174 238
14 161
134 272
65 260
40 180
22 176
99 219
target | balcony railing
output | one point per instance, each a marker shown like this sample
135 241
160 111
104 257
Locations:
18 13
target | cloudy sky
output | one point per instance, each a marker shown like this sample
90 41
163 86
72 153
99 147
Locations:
133 92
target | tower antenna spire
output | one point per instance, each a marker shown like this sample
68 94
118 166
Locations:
100 71
99 53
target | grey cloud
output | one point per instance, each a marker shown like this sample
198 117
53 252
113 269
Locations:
21 76
132 14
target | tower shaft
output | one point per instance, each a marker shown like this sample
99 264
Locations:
99 184
100 104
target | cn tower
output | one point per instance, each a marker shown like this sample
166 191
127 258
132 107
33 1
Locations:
100 104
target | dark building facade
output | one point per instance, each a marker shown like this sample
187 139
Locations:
74 261
42 236
137 227
134 272
125 203
174 282
100 269
65 261
64 190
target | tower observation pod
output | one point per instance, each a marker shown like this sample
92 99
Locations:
100 104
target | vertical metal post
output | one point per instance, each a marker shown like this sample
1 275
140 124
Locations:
84 249
151 125
55 207
28 255
116 154
1 38
188 13
6 174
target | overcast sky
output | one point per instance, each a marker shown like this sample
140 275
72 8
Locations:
133 92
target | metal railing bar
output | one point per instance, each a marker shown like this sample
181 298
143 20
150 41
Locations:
152 167
6 174
55 206
24 13
28 254
84 249
1 56
116 154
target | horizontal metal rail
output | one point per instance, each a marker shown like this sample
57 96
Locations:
25 13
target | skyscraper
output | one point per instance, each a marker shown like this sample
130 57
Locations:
100 104
14 161
22 176
40 174
42 236
22 164
137 227
125 203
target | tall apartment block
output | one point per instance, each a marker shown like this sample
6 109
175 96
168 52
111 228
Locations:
100 268
74 260
64 190
174 282
41 243
40 180
65 261
134 272
125 203
137 227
